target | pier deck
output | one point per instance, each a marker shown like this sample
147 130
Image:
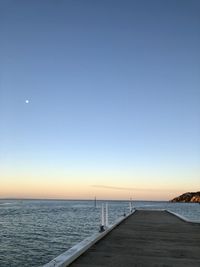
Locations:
147 238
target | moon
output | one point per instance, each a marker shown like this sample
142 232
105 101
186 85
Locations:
27 101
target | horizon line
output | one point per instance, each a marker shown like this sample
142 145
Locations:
80 199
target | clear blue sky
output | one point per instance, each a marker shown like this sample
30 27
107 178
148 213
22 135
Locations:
113 90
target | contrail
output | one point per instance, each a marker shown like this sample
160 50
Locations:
132 188
115 187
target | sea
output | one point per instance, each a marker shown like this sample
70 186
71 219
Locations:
33 232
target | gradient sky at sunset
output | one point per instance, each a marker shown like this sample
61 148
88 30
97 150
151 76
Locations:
113 90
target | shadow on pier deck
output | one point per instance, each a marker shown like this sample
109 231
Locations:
147 238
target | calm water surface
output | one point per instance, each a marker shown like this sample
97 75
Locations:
33 232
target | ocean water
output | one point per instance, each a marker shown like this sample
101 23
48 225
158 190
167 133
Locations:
33 232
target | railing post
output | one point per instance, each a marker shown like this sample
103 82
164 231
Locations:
102 219
106 219
130 206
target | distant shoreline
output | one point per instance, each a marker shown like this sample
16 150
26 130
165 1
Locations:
65 199
189 197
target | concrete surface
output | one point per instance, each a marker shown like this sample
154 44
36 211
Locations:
147 238
74 252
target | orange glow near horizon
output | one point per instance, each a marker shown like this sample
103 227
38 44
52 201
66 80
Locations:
74 189
104 185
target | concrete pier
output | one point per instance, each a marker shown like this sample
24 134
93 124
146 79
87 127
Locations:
146 238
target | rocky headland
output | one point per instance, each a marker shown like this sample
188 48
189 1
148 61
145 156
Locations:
188 197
